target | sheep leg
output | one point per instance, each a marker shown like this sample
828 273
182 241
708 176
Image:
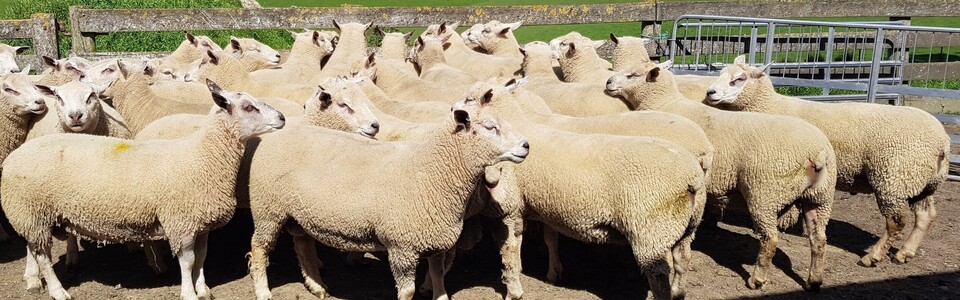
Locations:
878 251
262 242
200 283
679 265
187 257
657 270
766 225
306 249
437 266
926 212
555 268
42 255
403 264
154 257
352 258
73 252
4 236
510 254
31 274
815 221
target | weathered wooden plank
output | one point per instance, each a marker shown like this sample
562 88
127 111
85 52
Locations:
15 29
33 61
44 35
808 8
80 43
942 70
125 20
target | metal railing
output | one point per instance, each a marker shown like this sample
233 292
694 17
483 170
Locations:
843 60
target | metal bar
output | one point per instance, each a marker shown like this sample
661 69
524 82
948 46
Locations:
828 71
753 45
875 69
771 30
822 23
764 24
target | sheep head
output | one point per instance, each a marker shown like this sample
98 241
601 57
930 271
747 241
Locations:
78 105
8 61
734 80
19 95
341 104
474 117
258 53
253 116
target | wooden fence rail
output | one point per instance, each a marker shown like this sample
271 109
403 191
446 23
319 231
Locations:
41 28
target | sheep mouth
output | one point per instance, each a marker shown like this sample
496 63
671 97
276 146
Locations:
514 157
365 134
76 126
612 91
37 110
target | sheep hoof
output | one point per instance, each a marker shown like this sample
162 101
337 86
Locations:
425 289
813 287
868 261
902 257
34 285
511 296
266 296
755 284
553 277
60 294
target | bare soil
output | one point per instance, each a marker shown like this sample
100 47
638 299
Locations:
722 258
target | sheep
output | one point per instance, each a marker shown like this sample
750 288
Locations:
78 110
255 54
439 189
192 48
479 65
389 75
632 50
579 99
8 58
465 36
227 70
496 38
776 163
899 153
429 57
579 60
61 71
393 45
308 51
138 104
20 100
175 189
351 49
166 72
575 189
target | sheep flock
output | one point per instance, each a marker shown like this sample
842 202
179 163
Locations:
401 149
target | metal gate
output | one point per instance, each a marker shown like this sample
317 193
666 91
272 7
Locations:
836 61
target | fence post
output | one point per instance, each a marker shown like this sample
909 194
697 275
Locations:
875 67
81 43
44 27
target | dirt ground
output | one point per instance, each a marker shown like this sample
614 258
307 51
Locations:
722 259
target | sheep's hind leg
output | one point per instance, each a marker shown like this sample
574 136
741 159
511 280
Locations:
187 257
816 219
31 273
154 255
555 268
306 249
42 254
679 267
925 211
657 269
895 225
200 283
403 264
73 252
765 224
437 266
262 242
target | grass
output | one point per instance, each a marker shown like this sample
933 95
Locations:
381 3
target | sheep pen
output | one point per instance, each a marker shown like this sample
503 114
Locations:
723 256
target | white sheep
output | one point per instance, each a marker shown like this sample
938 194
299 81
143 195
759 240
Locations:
899 153
61 71
393 45
579 99
479 65
428 55
309 49
256 55
350 52
77 109
579 60
174 189
496 38
632 50
139 105
438 174
774 162
191 49
390 76
223 67
8 58
20 100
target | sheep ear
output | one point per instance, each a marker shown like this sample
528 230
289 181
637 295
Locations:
504 31
443 28
513 84
487 97
235 43
125 70
572 50
667 65
191 38
513 26
419 43
653 74
325 98
335 40
217 94
25 70
148 70
213 57
760 72
446 46
71 54
316 38
741 59
524 52
379 31
53 63
406 37
367 27
336 25
371 61
613 37
48 91
463 120
21 49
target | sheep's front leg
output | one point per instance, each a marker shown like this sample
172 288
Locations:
42 255
437 265
200 283
510 254
31 274
187 257
403 264
306 249
555 268
926 212
262 242
73 252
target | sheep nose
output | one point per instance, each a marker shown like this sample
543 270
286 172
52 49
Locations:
282 118
526 145
609 81
75 116
711 92
39 102
278 55
375 125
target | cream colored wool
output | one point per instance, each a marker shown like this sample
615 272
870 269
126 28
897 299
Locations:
479 65
92 115
191 49
304 63
444 169
174 189
632 50
393 45
8 58
140 106
579 60
579 99
61 71
222 67
19 106
774 162
401 86
429 57
900 153
256 55
351 50
497 38
595 193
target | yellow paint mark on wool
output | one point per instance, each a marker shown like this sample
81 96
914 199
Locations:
120 148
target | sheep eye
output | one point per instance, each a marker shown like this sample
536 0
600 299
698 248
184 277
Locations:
108 71
167 72
9 90
250 108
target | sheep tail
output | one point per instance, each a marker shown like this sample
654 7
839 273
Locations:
815 169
